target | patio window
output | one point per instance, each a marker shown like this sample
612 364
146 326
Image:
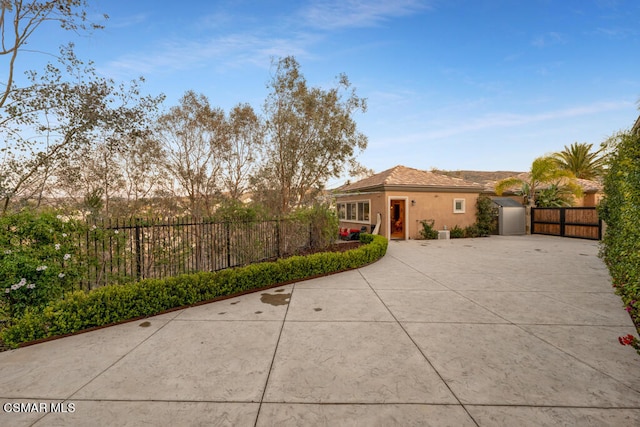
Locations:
458 205
351 211
357 211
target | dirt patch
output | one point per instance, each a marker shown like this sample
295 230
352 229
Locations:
275 299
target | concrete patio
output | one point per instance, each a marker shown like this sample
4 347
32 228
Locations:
498 331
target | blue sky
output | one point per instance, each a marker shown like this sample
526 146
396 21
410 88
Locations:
452 84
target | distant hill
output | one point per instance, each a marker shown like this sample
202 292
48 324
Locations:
480 177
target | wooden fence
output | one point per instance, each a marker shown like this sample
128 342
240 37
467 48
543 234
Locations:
582 223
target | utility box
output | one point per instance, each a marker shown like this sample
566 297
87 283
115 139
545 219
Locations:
511 217
444 235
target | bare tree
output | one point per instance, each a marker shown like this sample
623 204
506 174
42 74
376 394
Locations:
193 135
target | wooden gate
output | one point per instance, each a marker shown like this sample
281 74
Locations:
582 223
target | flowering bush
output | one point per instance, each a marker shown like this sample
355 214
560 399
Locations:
38 259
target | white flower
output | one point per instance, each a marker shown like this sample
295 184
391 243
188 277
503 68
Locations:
61 275
7 252
64 234
116 232
31 285
7 290
22 282
15 287
57 246
66 256
93 227
40 268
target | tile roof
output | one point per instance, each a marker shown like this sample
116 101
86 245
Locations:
402 176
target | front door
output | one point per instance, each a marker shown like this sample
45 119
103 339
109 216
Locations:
397 219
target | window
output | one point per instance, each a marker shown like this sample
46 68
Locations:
363 211
351 211
458 205
354 211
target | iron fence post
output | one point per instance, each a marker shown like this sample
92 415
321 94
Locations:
228 226
138 250
278 237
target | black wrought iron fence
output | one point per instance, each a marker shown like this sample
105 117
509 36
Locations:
124 250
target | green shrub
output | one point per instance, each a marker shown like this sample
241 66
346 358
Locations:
323 224
486 213
456 232
231 210
472 231
427 231
110 304
366 238
620 209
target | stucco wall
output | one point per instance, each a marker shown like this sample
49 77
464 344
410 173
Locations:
376 205
438 206
589 200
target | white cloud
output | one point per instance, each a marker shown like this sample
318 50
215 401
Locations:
616 33
505 120
128 21
335 14
226 52
549 39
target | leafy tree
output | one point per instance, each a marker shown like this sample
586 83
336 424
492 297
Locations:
245 133
544 171
554 196
93 172
143 173
61 111
311 135
580 160
194 138
19 19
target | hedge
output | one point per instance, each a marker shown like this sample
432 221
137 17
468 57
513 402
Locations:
620 210
107 305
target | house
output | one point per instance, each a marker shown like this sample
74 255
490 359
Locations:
592 191
401 197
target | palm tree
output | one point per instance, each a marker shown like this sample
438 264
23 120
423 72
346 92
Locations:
545 171
578 159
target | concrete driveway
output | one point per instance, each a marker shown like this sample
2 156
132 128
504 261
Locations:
499 331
